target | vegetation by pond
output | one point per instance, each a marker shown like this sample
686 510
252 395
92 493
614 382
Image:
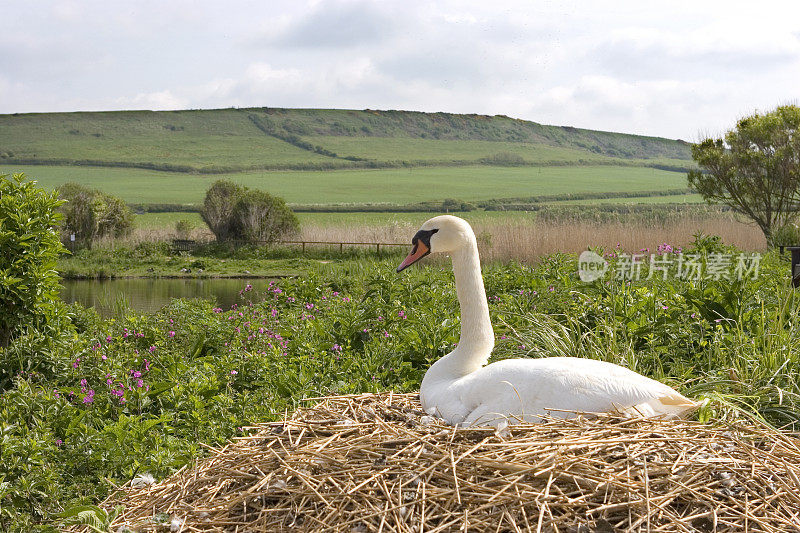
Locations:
95 402
157 260
114 297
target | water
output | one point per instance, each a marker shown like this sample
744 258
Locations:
149 295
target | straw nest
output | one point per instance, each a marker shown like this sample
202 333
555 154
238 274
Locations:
377 463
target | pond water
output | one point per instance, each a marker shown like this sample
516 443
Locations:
149 295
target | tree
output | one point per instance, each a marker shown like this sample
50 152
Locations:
217 210
90 214
259 216
235 212
755 169
29 283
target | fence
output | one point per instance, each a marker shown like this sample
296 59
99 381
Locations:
183 245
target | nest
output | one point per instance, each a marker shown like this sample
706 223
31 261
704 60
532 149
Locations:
377 463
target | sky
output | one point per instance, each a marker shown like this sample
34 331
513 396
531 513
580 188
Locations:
676 69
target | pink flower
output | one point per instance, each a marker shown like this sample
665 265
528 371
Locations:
59 442
171 334
152 349
233 372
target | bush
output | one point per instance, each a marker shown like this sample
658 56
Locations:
504 159
28 281
233 212
217 210
90 214
259 216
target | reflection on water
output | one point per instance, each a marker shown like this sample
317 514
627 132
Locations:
149 295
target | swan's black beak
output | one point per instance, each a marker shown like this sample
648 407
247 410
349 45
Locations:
422 247
417 252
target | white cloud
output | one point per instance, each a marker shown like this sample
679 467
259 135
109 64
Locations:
611 64
156 101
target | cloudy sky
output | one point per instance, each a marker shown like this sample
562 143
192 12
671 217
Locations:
675 68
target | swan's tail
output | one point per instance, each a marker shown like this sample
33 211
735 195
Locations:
671 405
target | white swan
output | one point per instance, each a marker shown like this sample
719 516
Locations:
461 390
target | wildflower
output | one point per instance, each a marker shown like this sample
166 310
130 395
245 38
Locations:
336 348
59 442
248 288
140 383
76 363
89 398
108 339
152 349
171 334
401 314
233 372
103 357
217 309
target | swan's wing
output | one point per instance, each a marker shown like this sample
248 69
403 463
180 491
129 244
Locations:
561 386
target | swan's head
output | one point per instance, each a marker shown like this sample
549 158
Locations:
442 234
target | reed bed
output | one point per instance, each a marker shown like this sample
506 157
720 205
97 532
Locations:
376 463
529 239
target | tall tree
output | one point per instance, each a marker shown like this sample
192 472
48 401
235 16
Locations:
754 169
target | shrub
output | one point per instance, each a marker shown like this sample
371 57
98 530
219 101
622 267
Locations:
504 159
259 216
217 210
90 214
183 228
28 280
235 212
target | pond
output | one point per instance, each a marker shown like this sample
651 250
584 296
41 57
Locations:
149 295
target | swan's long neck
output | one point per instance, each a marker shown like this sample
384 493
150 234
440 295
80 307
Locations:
477 337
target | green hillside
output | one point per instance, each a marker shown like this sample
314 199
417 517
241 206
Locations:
319 156
234 140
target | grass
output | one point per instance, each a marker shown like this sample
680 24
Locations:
398 186
446 151
95 403
197 139
228 138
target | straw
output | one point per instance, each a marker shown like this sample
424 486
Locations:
372 463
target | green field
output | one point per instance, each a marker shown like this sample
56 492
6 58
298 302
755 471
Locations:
398 186
197 139
327 156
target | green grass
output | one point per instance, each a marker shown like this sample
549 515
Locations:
228 139
394 185
193 375
446 151
197 139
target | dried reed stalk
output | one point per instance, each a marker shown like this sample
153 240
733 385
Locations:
373 463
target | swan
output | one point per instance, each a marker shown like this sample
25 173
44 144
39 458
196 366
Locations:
462 390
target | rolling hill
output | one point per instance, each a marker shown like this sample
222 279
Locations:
285 150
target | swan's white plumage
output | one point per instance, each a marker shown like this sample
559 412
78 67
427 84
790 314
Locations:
461 390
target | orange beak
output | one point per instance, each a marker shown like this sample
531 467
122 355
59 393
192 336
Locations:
417 252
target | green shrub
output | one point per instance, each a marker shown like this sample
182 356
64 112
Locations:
90 214
233 212
30 246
